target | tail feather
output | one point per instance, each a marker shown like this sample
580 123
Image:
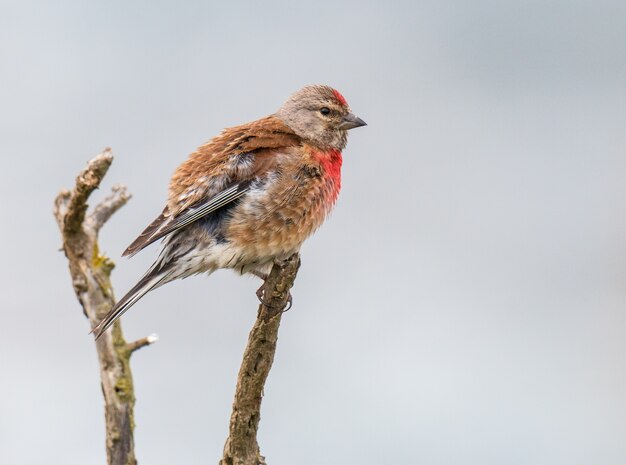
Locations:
147 283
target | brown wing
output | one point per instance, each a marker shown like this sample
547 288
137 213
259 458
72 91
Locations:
218 173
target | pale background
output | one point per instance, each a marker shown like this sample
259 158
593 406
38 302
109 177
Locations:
466 302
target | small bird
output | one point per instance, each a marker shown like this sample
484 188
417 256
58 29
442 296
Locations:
250 196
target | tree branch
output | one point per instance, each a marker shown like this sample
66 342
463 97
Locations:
242 447
113 202
75 204
90 272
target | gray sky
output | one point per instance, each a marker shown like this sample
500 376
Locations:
466 302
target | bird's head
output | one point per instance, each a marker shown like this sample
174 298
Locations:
320 115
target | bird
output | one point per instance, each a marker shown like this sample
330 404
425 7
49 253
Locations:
250 196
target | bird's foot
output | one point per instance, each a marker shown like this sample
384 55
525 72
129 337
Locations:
260 293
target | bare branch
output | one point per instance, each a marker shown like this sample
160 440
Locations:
242 447
90 272
86 182
143 342
113 202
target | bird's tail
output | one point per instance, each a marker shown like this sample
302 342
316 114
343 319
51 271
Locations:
151 280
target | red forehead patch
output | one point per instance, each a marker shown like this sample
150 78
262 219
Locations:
339 97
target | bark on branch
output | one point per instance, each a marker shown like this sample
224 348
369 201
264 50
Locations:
90 271
242 447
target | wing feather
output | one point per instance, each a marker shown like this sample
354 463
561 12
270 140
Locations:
163 225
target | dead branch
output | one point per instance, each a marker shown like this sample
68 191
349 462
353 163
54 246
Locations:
112 203
242 447
90 271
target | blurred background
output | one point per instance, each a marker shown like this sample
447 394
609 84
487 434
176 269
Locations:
465 303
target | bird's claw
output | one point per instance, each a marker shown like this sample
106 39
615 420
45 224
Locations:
260 293
289 303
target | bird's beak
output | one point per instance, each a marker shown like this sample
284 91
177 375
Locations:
351 121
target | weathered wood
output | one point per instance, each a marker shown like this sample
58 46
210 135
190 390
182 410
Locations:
242 447
90 272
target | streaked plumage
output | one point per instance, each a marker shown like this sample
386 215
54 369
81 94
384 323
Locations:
250 196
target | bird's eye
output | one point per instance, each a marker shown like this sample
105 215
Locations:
324 111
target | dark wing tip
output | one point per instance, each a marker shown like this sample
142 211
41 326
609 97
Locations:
148 236
130 251
137 245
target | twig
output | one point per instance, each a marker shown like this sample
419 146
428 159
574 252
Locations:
90 271
242 447
113 202
143 342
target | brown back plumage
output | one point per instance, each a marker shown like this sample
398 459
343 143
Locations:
219 159
237 155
